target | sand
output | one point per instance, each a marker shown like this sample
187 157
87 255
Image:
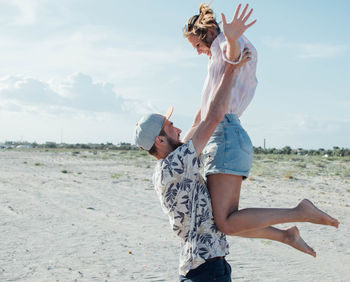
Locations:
94 216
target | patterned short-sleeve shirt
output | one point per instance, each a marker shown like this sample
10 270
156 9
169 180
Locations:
184 196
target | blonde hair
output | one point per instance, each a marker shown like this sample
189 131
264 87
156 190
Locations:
201 23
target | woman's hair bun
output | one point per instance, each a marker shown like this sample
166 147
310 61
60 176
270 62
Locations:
204 9
199 24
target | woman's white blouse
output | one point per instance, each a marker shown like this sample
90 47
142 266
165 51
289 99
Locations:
245 80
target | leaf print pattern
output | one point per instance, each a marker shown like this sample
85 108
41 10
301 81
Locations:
203 216
169 164
187 203
185 198
171 194
187 184
181 216
181 160
206 238
187 151
196 162
213 227
203 252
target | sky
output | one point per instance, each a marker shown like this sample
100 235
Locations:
85 71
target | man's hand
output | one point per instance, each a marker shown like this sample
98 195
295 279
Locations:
245 58
238 26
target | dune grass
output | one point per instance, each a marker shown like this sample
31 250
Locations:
292 167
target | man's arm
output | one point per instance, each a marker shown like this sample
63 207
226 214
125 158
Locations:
234 30
194 126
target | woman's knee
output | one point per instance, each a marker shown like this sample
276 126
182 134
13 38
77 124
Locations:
226 226
223 226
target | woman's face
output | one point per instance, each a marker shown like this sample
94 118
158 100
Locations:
199 45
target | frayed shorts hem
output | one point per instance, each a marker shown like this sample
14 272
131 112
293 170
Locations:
226 171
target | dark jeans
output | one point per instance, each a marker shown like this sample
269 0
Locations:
218 270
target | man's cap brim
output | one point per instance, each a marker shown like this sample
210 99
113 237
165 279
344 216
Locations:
169 112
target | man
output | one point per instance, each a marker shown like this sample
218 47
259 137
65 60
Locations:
182 190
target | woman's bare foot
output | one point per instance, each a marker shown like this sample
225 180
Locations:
294 240
314 215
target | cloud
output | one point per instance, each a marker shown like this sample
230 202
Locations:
80 92
306 50
298 130
27 90
275 42
98 51
319 125
27 9
291 124
77 92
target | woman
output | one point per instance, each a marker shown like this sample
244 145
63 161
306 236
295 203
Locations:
229 153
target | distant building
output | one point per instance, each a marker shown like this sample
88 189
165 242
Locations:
24 146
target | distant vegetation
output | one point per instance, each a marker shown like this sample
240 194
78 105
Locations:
336 151
53 145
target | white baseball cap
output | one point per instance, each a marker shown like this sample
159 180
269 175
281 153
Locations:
148 128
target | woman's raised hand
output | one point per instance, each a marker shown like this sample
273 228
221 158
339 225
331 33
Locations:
238 26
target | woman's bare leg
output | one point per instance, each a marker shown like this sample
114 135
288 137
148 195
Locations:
225 190
289 237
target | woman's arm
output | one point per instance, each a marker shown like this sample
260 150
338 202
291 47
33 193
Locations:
234 30
197 120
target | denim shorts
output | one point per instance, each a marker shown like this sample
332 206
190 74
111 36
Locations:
218 270
229 150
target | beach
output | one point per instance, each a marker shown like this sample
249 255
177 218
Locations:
85 215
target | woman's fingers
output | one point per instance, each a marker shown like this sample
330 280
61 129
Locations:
249 25
247 16
243 12
223 19
237 11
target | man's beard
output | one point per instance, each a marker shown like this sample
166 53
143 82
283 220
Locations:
173 143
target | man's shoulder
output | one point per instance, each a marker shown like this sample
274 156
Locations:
176 161
184 150
172 168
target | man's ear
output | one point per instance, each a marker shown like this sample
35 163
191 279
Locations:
158 140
